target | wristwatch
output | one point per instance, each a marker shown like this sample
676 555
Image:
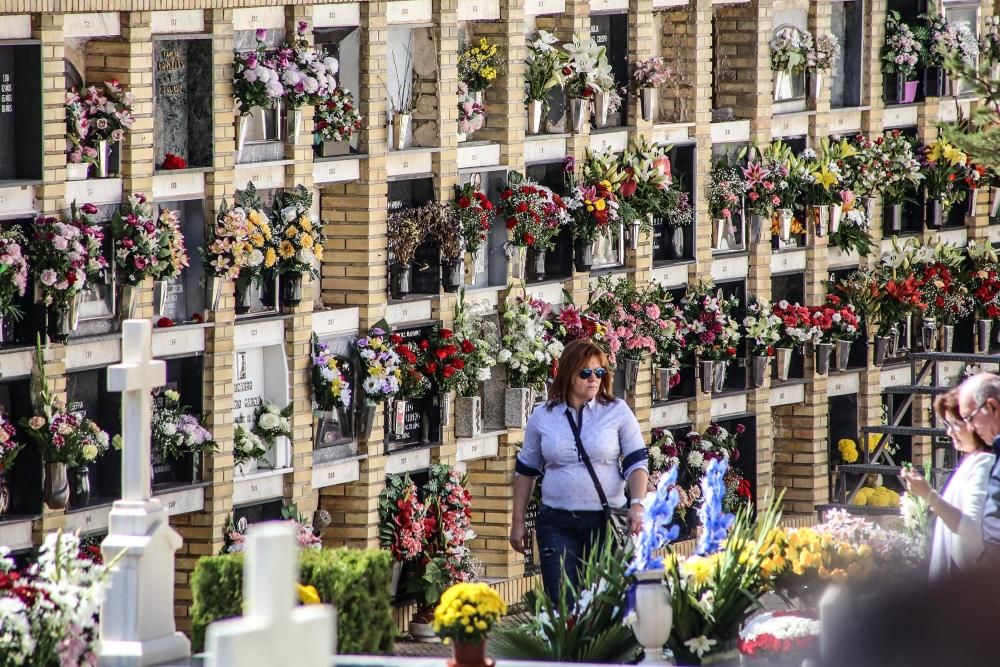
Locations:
635 501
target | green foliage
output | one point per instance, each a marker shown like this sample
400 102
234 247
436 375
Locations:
584 625
355 581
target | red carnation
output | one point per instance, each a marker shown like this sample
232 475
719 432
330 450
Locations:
441 353
458 363
511 223
445 334
467 346
448 371
431 367
529 239
164 322
424 344
464 202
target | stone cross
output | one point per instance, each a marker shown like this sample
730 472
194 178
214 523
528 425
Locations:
136 376
272 631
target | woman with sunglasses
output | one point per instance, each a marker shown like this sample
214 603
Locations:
580 412
958 539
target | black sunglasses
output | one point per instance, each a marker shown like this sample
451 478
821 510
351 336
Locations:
586 372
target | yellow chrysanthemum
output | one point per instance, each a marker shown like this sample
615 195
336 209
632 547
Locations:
270 258
306 241
257 239
600 205
291 232
286 250
848 450
318 251
306 224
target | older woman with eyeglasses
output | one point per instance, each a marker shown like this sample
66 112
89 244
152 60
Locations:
587 444
957 543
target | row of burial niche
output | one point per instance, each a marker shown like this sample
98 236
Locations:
736 369
20 111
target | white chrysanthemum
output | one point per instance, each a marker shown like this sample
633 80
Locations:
696 459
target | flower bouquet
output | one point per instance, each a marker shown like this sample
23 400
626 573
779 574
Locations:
786 636
900 57
942 41
407 229
593 208
761 199
336 117
107 110
402 519
763 332
141 248
261 248
300 239
528 347
471 112
983 282
589 77
479 340
379 366
413 383
473 211
633 318
902 172
308 75
790 49
670 333
271 422
647 76
13 275
9 445
715 333
443 359
824 53
79 154
330 379
534 213
943 167
480 65
543 71
176 432
256 80
247 445
726 189
67 256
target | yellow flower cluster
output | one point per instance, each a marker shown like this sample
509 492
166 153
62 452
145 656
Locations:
467 611
479 66
812 553
848 450
878 496
259 237
595 205
943 150
797 227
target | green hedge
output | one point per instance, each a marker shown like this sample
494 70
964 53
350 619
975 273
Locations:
356 583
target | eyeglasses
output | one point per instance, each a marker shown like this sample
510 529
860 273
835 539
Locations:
598 372
972 415
953 427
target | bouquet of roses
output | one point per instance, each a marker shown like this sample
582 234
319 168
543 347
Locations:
402 518
480 65
528 346
330 379
797 327
534 213
633 318
380 365
714 331
108 109
473 211
139 243
177 432
300 248
739 491
762 326
9 445
271 422
471 114
443 359
336 117
247 445
77 129
67 255
413 383
13 272
780 633
842 319
947 297
308 75
256 77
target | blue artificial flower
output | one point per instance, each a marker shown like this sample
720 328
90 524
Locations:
657 528
715 523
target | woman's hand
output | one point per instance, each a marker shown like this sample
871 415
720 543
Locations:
519 537
916 484
635 513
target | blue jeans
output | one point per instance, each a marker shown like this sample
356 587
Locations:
565 539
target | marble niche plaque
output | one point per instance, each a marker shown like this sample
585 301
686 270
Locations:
20 112
182 89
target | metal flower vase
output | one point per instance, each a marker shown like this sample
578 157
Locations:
80 485
983 329
785 224
675 242
583 255
893 218
402 126
213 292
782 85
291 289
882 345
447 402
364 420
661 383
632 233
994 201
971 201
536 264
843 353
243 289
631 368
242 128
647 102
536 110
398 416
517 406
130 301
4 494
758 366
756 227
928 334
820 220
55 486
706 375
816 83
602 105
934 213
452 274
947 337
719 381
894 341
577 108
468 416
836 212
293 126
823 352
399 280
103 158
518 256
868 203
654 616
720 227
782 362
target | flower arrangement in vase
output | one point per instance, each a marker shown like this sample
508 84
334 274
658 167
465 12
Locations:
790 49
821 59
534 215
300 241
471 112
402 519
407 229
942 41
380 366
633 316
177 433
271 422
943 167
13 276
308 76
139 245
330 379
647 77
900 56
593 209
760 184
479 66
10 446
714 332
260 248
247 445
465 615
227 247
589 77
256 78
648 189
336 117
671 334
79 154
726 189
763 331
473 210
173 253
528 346
95 120
543 72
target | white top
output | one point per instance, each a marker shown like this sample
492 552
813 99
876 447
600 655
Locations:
966 490
612 439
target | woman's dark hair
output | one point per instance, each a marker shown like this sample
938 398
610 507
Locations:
946 407
574 358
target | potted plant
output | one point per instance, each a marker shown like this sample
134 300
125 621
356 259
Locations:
178 434
471 113
942 165
256 84
790 49
726 188
10 446
468 631
300 242
592 206
796 330
763 332
380 368
821 59
647 76
407 229
67 258
13 279
108 109
543 71
479 66
309 77
900 57
337 122
534 215
479 341
529 351
65 440
331 384
714 332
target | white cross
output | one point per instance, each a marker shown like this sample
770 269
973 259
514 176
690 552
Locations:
272 630
136 376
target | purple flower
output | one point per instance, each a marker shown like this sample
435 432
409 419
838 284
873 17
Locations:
302 27
569 164
261 34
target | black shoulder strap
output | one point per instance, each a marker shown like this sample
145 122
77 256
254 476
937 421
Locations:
586 459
